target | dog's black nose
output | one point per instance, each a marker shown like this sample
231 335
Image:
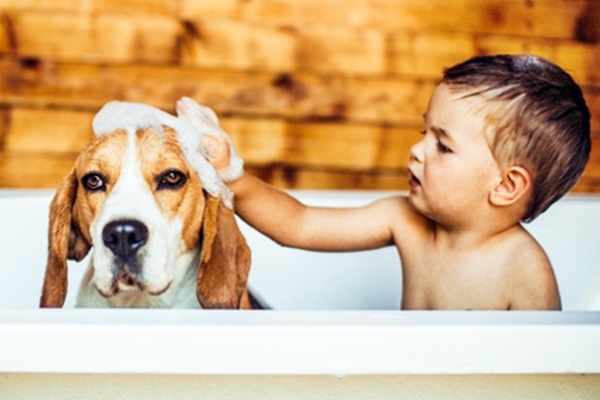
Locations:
125 237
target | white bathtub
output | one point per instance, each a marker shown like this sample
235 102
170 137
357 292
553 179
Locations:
335 330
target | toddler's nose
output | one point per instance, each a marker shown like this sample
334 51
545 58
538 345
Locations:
416 151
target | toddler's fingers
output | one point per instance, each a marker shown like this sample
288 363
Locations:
217 151
189 108
203 118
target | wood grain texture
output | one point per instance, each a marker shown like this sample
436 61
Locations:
316 94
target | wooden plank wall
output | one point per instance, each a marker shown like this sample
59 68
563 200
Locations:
316 93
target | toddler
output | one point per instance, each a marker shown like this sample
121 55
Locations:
504 137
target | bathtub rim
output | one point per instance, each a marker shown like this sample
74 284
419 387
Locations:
340 343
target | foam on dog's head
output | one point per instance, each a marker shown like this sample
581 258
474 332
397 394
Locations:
117 115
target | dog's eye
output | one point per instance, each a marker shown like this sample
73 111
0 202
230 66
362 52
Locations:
93 182
171 179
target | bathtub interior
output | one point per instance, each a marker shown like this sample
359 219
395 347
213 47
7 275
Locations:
288 279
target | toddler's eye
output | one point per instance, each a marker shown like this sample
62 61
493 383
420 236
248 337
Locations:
443 148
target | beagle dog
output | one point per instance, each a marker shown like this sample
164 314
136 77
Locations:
158 221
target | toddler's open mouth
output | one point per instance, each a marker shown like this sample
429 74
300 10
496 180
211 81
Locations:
413 182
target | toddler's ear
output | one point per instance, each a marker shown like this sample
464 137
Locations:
515 184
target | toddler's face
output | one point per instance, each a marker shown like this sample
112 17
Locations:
452 169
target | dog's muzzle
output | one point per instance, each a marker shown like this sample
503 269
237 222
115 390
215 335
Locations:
125 238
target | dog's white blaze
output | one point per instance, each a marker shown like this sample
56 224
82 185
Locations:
131 198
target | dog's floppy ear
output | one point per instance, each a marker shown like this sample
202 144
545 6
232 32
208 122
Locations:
64 242
225 258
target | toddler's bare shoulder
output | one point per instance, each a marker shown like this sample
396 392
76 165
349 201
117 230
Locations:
532 278
403 218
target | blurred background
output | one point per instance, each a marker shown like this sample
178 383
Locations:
317 94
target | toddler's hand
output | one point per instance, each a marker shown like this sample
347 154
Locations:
219 148
217 151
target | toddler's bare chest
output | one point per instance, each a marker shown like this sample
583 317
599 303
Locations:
453 282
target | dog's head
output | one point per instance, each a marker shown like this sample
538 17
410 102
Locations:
134 198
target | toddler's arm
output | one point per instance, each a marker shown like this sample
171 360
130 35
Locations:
291 223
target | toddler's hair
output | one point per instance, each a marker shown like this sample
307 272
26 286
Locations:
540 120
